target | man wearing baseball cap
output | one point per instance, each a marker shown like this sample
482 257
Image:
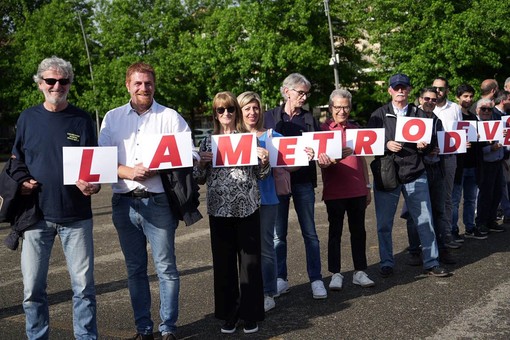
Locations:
412 181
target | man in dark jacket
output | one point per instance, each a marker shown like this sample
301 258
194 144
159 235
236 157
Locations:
291 119
412 178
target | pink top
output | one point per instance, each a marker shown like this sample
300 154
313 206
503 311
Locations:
345 179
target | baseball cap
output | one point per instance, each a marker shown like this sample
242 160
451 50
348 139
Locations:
399 79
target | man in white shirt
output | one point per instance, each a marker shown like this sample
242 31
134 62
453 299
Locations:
141 211
448 112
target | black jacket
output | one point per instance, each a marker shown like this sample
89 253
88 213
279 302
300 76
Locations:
21 211
408 160
182 192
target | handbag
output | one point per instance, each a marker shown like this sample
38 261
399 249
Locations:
281 176
385 173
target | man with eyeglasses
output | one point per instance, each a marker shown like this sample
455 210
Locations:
491 176
448 112
413 182
434 166
41 132
291 119
141 211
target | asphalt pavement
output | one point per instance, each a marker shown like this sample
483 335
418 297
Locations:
473 303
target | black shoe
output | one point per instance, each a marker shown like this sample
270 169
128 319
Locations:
496 228
386 271
229 327
436 271
139 336
453 245
250 327
414 260
445 257
475 234
457 238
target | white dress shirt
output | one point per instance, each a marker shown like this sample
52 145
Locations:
122 127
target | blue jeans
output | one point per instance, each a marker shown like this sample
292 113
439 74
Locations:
137 221
78 247
437 200
470 190
416 195
268 215
303 195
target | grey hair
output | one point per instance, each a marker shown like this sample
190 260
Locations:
483 101
507 80
293 80
342 94
54 63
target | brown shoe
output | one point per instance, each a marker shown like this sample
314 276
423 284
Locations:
414 260
445 257
169 336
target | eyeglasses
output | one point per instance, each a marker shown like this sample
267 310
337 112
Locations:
439 88
302 93
221 110
428 99
338 108
53 81
485 109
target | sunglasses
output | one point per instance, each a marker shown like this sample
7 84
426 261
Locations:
486 109
53 81
428 99
439 88
221 110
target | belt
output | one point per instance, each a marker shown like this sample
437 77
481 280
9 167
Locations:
138 193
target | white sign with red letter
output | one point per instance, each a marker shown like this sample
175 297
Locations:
469 125
167 151
236 149
287 151
328 142
91 164
490 130
451 142
413 129
366 142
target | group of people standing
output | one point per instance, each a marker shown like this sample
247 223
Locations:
248 216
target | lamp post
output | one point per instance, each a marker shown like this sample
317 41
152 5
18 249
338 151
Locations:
333 54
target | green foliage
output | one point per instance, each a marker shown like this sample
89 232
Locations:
201 47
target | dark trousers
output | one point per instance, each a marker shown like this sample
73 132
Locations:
355 208
238 291
489 194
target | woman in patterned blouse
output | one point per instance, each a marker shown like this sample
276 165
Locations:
233 202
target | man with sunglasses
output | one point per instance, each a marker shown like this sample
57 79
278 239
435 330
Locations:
448 112
434 166
491 176
291 119
141 211
41 133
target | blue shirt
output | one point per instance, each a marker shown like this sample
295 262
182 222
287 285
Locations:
40 136
267 188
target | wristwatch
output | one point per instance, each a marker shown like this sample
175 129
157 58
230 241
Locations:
369 186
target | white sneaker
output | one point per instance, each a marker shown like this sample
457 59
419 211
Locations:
361 278
337 281
268 303
318 290
282 286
